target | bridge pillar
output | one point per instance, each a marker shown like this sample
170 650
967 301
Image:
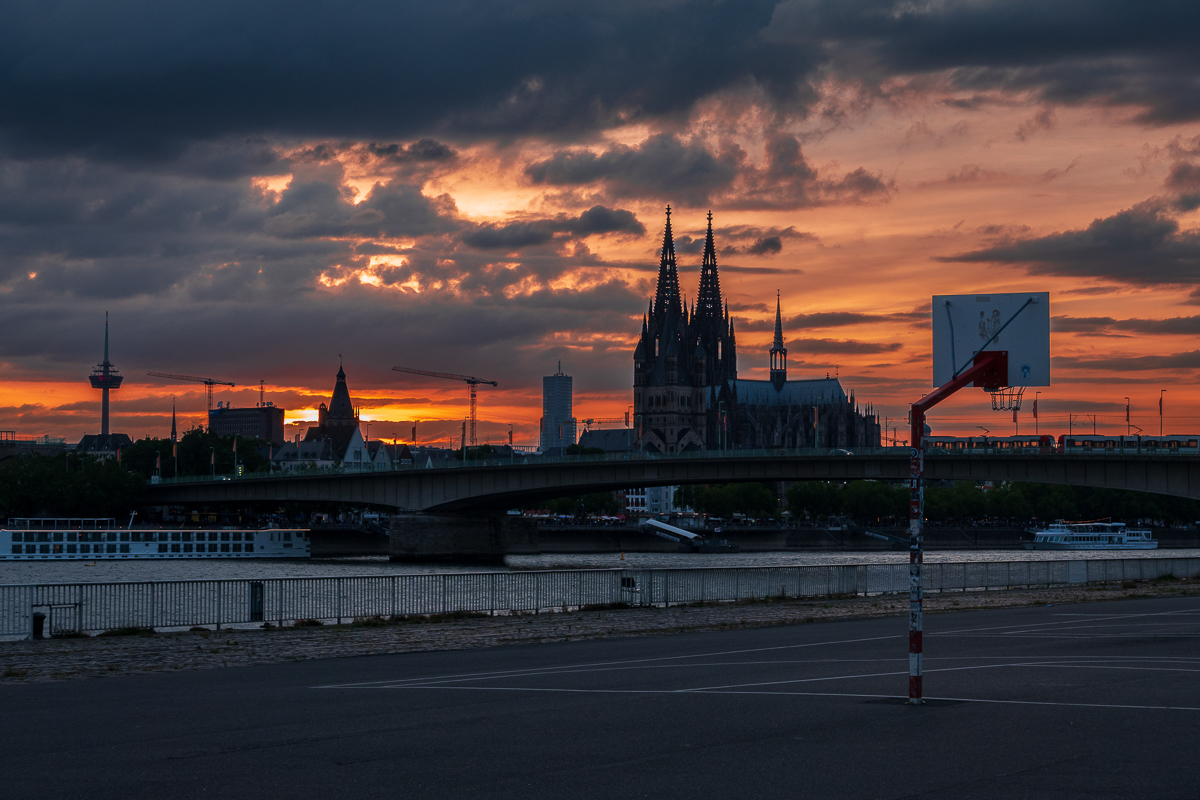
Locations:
460 538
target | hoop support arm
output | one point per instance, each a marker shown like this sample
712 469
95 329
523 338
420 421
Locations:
990 370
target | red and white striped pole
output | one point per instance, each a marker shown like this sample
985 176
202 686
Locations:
916 554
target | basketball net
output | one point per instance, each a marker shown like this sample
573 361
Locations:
1008 398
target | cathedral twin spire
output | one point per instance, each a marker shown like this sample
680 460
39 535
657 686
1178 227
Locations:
709 306
667 296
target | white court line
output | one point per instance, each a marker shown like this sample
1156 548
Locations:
678 692
533 671
1028 625
545 670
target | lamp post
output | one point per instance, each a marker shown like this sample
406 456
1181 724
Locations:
1126 416
212 462
721 422
1035 414
1161 392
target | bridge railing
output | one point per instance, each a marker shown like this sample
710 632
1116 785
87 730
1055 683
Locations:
699 455
96 607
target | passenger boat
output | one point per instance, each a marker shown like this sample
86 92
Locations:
1090 536
91 539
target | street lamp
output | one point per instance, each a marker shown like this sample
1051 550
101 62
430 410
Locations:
1160 402
1035 413
721 422
212 462
1126 416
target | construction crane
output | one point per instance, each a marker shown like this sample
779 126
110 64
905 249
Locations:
588 423
208 382
471 382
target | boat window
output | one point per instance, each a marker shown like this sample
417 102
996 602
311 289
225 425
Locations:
162 548
124 548
174 548
17 549
225 537
187 548
187 537
110 548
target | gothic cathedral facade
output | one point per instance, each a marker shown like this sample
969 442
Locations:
686 392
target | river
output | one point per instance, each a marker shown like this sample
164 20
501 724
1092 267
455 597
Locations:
25 572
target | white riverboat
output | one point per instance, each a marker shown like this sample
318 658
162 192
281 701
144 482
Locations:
1090 536
93 539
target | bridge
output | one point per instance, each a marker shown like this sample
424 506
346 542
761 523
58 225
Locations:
456 506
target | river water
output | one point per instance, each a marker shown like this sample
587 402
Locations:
25 572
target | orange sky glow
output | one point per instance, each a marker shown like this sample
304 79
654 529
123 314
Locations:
957 182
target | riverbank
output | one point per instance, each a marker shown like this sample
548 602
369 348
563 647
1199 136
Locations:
142 651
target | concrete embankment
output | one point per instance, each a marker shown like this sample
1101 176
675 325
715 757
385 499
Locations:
570 539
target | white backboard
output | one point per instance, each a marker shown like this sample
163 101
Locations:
963 324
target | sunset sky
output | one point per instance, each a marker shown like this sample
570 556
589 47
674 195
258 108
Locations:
253 190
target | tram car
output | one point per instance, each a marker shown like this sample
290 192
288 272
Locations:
1033 443
1091 443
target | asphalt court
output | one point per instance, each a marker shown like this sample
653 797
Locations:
1096 700
1054 656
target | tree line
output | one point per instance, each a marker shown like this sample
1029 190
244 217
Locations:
82 485
876 502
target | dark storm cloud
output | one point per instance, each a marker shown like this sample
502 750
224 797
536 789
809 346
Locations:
1067 52
517 235
144 75
668 167
1109 326
1140 245
135 79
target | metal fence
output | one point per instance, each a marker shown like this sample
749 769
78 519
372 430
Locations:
95 607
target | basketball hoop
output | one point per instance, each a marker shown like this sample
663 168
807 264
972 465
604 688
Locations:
1008 398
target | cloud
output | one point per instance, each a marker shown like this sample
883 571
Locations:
1173 361
669 168
517 235
825 319
1110 326
1043 120
1140 245
841 346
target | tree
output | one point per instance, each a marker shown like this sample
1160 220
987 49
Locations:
814 499
67 486
583 505
726 499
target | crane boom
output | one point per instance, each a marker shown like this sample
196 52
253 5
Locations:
208 382
447 375
471 381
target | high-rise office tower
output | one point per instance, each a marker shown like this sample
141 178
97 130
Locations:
558 418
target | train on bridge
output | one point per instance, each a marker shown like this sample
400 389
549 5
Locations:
1066 443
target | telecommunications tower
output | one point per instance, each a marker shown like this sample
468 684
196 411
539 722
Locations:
104 377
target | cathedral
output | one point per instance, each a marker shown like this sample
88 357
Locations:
686 392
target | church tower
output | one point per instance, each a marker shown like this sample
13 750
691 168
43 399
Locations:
716 352
667 404
778 351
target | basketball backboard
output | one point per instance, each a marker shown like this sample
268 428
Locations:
964 324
